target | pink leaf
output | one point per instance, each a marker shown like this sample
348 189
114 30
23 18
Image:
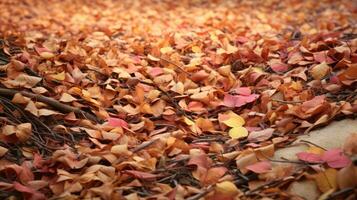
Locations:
279 67
243 91
335 158
28 192
260 167
309 157
334 79
238 100
322 57
229 100
117 122
155 71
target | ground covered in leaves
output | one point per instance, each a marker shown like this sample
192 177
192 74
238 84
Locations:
172 100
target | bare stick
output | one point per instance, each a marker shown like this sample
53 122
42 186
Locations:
49 101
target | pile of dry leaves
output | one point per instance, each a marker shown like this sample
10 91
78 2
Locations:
172 100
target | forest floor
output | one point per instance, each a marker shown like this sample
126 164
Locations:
178 100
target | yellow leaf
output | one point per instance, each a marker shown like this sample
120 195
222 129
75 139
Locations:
196 49
188 121
201 96
178 87
47 55
320 71
59 76
119 149
238 132
326 180
153 58
165 50
315 150
234 120
227 188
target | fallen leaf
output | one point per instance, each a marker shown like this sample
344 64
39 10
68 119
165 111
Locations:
3 151
335 158
28 192
320 71
233 120
59 77
310 157
23 131
350 145
228 188
259 136
326 180
67 98
238 100
117 122
260 167
238 132
140 175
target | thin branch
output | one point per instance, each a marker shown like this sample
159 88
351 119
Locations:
144 145
49 101
178 66
316 145
288 102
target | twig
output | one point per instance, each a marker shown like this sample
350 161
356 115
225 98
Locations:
336 194
52 102
316 145
178 66
266 185
201 194
144 145
207 140
282 101
175 104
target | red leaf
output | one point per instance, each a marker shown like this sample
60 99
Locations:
335 158
28 192
201 160
260 167
309 157
214 174
117 122
313 103
140 175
